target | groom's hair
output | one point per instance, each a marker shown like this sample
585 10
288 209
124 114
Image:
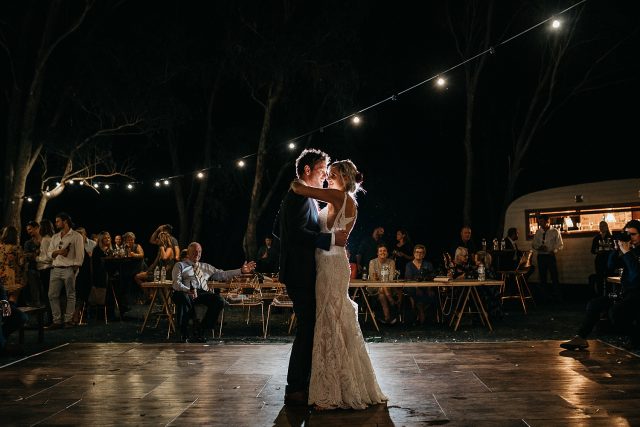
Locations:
309 156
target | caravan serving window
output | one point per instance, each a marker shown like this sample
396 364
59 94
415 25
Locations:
574 222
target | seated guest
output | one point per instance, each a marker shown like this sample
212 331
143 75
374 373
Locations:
623 310
461 266
376 268
419 269
164 258
190 287
11 319
490 294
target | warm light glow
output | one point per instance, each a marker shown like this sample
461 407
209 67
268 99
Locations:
57 183
107 186
96 185
48 194
157 184
29 199
356 120
130 186
241 163
292 146
610 217
166 182
70 182
568 221
555 24
440 81
200 175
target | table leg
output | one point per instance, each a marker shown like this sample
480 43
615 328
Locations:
166 306
154 294
369 309
465 300
484 316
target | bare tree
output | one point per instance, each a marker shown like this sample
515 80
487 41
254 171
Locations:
473 36
548 97
24 95
82 163
275 65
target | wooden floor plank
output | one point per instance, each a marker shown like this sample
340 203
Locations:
490 384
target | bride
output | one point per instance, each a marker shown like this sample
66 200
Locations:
341 371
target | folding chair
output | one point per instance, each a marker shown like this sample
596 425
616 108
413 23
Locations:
515 284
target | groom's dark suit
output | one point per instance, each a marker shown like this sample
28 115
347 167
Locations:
299 233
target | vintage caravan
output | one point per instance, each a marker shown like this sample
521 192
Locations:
576 210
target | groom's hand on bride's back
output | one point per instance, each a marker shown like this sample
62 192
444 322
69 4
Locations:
341 237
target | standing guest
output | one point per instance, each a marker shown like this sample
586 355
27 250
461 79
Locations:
403 251
99 273
11 263
601 247
31 248
465 241
128 290
118 246
67 251
155 240
623 310
11 319
368 248
43 264
547 242
83 279
190 288
268 257
421 298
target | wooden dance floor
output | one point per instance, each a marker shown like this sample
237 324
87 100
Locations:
495 384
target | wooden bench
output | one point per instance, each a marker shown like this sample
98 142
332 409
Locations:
33 311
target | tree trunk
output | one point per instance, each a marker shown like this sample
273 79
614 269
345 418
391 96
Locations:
257 202
23 122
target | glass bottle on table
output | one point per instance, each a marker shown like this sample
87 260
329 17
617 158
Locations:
156 274
163 273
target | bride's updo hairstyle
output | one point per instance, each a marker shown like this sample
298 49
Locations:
352 177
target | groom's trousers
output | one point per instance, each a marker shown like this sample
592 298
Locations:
304 306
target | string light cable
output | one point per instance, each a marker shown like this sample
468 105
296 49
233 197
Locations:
354 117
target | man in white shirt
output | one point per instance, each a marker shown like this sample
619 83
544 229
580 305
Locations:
190 287
67 251
547 242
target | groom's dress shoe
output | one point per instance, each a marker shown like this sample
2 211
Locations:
296 398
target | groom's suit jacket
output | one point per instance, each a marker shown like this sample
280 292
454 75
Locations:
299 233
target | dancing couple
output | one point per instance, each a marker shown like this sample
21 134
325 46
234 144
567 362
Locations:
329 367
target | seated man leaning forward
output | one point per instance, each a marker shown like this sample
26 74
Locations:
190 287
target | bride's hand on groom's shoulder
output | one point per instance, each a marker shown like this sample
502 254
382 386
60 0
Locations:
296 184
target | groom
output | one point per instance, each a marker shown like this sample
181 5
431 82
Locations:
299 232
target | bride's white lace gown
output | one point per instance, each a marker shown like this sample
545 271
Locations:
341 371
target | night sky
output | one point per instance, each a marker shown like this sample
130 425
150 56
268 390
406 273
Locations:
165 55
